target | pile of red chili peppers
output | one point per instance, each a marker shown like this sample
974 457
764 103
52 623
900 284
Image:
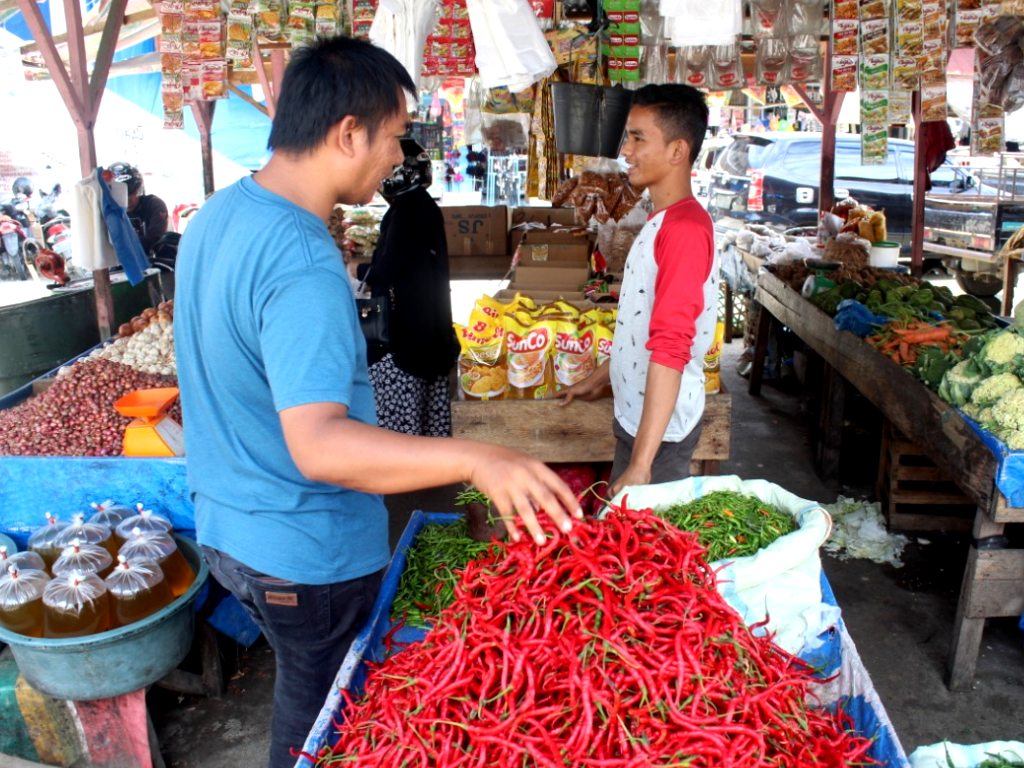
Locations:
609 648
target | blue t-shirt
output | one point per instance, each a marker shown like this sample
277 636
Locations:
264 320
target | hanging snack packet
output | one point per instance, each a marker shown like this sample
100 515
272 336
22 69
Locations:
770 61
844 73
529 343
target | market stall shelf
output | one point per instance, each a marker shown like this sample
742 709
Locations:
993 583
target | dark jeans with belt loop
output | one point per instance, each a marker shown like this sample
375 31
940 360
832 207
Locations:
310 628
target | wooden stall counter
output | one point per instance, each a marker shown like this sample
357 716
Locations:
580 431
993 582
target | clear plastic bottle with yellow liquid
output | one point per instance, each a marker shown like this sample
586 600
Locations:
91 533
160 547
85 557
137 588
21 600
43 540
110 513
146 520
26 561
76 605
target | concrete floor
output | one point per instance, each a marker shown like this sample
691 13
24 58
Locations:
900 619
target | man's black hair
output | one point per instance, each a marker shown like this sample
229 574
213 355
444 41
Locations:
330 79
681 112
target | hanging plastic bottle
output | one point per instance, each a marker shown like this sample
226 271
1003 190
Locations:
84 557
137 588
76 605
21 600
110 513
43 541
92 533
146 521
160 547
26 561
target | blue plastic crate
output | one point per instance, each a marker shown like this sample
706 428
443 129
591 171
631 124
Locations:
845 682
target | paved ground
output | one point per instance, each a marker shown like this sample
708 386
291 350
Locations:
900 619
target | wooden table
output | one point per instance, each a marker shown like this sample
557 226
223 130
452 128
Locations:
579 432
993 582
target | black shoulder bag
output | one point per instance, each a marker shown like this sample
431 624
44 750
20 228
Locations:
375 316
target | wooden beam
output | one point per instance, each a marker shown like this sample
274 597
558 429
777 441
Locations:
105 55
78 67
261 71
89 30
247 98
202 111
917 203
59 73
819 115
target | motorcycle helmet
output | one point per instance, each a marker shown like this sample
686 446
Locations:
414 172
22 186
128 175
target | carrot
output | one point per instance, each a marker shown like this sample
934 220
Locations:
920 336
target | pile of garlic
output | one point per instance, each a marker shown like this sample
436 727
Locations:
149 350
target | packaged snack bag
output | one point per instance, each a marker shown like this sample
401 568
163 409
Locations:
529 344
575 353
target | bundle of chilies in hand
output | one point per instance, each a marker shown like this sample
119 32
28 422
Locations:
607 647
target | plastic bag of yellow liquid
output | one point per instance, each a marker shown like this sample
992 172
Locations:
713 362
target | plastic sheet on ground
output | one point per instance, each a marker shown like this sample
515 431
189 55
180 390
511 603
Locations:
858 532
845 681
965 756
1009 464
780 582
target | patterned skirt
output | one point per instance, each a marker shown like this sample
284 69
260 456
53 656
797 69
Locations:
409 404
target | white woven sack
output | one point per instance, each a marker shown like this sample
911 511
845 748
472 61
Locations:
781 581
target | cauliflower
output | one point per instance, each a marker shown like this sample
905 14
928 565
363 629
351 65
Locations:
993 388
1008 411
1014 440
959 381
1000 351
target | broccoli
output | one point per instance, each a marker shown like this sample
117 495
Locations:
1008 412
1000 351
993 388
959 381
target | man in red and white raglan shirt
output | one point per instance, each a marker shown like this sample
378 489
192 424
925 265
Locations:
668 299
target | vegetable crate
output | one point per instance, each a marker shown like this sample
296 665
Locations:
845 681
915 494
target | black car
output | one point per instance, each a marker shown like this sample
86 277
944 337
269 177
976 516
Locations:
773 178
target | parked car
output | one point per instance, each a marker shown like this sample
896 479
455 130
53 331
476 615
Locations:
773 178
700 176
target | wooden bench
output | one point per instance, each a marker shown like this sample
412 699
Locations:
579 432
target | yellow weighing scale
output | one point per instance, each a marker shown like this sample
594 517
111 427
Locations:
152 432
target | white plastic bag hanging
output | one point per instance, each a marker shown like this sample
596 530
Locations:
510 46
698 22
401 28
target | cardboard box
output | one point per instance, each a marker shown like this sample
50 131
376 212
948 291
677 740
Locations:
559 247
549 278
476 230
544 215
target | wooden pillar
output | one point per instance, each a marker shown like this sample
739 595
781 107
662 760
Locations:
203 113
82 96
920 176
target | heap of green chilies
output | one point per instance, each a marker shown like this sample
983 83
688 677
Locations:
432 565
729 524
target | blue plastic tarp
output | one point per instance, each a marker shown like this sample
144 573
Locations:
1009 477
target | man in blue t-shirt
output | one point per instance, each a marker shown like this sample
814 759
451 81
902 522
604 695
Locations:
285 459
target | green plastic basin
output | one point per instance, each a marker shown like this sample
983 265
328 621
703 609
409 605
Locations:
118 661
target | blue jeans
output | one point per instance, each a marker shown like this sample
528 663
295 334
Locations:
309 627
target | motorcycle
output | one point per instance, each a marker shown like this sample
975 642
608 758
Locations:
16 250
54 222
